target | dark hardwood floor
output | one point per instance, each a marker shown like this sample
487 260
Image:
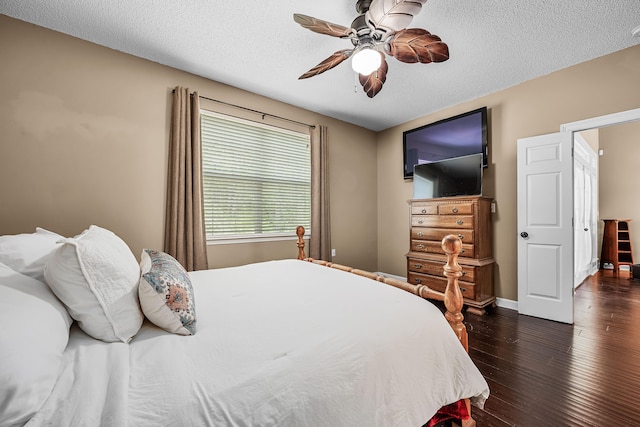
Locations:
544 373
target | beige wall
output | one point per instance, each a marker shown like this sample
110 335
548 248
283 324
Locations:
84 140
619 176
602 86
591 137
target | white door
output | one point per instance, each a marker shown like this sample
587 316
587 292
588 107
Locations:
585 209
545 228
582 236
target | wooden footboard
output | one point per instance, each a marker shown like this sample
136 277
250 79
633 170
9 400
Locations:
452 296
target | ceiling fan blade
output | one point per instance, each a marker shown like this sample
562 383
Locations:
335 59
372 84
322 27
418 45
388 16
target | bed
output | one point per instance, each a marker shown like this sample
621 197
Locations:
279 343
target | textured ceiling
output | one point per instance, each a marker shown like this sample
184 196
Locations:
255 45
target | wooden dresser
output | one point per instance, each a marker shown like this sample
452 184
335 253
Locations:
468 217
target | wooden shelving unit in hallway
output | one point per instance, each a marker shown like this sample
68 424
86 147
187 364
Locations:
616 244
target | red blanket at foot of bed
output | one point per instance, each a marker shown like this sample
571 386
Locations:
457 410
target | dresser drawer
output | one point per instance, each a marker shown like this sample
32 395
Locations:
456 209
442 221
435 247
431 209
436 268
440 284
440 233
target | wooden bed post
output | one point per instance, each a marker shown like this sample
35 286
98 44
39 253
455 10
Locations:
453 302
452 295
300 233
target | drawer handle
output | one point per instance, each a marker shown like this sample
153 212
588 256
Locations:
460 236
459 222
420 234
461 251
420 246
454 210
423 211
418 281
420 221
464 272
418 266
462 289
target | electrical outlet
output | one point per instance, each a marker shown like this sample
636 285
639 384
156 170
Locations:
333 252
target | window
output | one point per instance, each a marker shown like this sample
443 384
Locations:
257 179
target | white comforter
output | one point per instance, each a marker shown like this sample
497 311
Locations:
282 343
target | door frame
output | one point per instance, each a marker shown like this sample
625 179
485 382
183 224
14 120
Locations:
602 121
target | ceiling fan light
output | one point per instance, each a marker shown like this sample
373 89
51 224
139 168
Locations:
365 61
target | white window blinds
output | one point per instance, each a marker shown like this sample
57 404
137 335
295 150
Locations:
257 178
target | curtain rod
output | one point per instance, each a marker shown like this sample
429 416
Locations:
254 111
258 112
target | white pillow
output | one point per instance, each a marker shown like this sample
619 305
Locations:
96 276
33 336
166 294
28 253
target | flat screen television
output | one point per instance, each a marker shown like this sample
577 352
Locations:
456 136
460 176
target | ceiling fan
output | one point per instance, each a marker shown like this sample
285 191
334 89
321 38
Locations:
379 28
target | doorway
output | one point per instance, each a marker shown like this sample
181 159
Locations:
545 218
617 137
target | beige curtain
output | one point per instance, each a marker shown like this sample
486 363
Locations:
320 244
185 237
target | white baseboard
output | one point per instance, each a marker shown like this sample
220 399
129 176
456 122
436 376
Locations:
507 303
393 276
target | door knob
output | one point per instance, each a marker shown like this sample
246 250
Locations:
524 234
